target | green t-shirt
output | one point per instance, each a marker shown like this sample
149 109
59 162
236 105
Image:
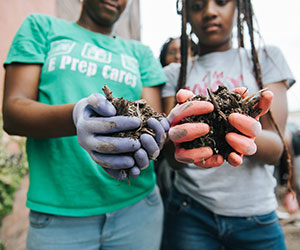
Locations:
76 62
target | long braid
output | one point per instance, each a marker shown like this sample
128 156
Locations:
249 21
240 21
184 44
248 12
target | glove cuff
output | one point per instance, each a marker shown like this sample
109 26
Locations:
81 104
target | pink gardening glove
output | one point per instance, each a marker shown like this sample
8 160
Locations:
203 157
248 126
190 131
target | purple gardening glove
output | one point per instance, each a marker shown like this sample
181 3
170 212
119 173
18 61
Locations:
151 145
95 118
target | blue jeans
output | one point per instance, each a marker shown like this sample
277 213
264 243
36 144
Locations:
191 226
132 228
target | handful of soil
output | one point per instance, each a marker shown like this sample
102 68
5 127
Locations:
138 108
225 103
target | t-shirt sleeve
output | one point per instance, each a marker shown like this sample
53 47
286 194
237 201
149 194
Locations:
29 44
150 69
274 66
171 73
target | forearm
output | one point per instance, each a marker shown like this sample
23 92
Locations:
25 117
269 148
269 144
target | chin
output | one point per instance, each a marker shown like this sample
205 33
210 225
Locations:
108 20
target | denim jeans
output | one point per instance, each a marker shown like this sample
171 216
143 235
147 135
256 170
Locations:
132 228
190 226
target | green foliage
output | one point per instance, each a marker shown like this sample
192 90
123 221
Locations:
2 247
13 166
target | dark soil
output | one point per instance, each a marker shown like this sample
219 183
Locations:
225 103
138 108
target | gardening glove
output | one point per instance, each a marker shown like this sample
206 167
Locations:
95 118
152 144
249 127
202 156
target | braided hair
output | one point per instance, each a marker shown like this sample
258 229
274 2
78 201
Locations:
245 15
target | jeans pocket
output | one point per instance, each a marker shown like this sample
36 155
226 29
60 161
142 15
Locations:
265 220
153 198
39 220
178 203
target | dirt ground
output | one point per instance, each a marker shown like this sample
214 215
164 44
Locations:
292 232
291 227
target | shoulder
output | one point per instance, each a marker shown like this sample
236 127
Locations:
171 73
270 51
43 21
138 50
172 69
263 52
36 17
137 46
274 66
268 56
270 48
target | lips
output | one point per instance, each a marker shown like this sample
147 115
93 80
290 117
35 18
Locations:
113 5
211 27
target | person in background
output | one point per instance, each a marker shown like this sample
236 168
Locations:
217 204
78 195
170 51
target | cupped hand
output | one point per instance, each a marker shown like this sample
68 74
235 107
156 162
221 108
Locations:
243 142
291 203
152 143
249 128
178 133
95 118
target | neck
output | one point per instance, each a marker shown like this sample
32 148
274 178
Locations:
206 49
86 22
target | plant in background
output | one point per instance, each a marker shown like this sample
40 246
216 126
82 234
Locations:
2 245
13 166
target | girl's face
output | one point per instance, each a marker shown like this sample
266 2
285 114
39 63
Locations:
173 52
212 21
104 12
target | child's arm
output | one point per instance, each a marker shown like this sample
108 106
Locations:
23 115
168 104
152 96
269 144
